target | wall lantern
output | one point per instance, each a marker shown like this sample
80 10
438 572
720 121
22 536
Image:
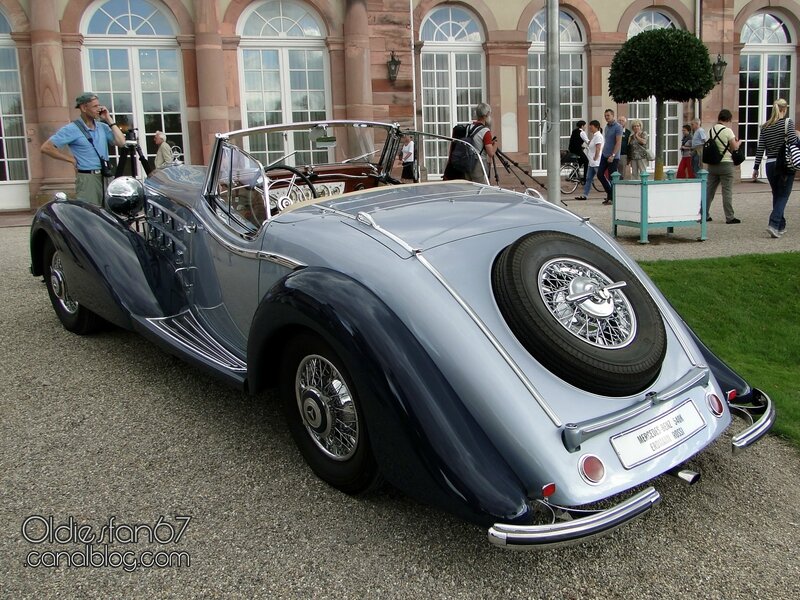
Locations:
718 68
393 66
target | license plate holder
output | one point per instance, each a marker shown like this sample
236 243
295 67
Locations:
657 436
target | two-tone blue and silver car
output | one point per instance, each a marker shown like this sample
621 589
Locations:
480 349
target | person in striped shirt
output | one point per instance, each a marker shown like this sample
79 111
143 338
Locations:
777 130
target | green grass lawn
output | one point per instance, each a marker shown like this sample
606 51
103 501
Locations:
747 310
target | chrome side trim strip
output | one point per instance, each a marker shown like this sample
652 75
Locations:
285 261
761 407
367 219
577 530
493 340
185 330
576 433
280 259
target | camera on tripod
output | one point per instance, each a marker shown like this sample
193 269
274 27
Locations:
129 153
131 138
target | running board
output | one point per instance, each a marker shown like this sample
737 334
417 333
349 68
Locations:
186 332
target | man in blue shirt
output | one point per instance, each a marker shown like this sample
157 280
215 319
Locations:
609 160
94 124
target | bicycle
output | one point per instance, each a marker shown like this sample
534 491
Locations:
570 178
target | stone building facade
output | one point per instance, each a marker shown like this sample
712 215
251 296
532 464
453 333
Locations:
196 67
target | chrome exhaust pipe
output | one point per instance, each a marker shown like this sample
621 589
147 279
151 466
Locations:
686 475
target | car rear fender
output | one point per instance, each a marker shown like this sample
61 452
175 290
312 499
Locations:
424 440
108 266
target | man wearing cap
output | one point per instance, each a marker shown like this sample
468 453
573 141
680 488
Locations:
88 138
164 152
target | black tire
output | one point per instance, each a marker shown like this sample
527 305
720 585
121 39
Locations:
569 178
598 187
73 316
609 341
323 411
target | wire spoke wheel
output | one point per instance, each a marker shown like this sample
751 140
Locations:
599 316
324 414
326 407
580 312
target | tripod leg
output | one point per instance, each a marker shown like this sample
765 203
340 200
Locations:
143 160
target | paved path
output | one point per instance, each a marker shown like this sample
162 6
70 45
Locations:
752 204
109 426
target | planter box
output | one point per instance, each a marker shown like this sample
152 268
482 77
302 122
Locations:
669 203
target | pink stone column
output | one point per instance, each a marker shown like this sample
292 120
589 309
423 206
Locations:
358 79
52 103
211 77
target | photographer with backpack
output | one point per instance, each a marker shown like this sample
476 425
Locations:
462 163
721 169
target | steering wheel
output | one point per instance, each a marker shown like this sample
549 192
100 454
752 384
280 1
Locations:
290 182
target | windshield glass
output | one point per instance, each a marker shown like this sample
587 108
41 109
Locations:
315 144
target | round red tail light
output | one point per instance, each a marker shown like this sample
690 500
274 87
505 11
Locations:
715 405
592 468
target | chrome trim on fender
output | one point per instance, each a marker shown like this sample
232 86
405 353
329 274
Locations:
761 407
284 261
281 260
368 220
576 433
577 530
493 340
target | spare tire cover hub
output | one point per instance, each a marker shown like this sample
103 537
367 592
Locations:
605 318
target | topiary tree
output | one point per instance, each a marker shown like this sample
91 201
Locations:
670 64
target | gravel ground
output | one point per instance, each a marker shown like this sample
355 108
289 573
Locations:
108 426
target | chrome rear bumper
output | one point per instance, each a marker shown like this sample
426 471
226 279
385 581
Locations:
577 530
761 412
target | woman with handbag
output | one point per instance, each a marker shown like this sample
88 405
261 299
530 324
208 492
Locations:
685 170
775 134
637 149
723 172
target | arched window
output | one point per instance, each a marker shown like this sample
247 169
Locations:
284 74
645 110
134 67
649 19
766 72
572 97
453 82
13 142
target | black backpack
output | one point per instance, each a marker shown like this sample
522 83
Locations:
465 153
711 153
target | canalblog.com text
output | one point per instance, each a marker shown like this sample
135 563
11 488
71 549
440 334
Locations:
106 546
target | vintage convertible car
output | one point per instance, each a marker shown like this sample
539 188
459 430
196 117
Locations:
480 349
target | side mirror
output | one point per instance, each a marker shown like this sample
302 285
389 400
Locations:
125 196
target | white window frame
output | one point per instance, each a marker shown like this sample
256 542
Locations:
763 51
673 110
133 44
435 159
537 151
7 43
284 44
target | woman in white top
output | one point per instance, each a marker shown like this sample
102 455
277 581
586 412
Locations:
593 151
